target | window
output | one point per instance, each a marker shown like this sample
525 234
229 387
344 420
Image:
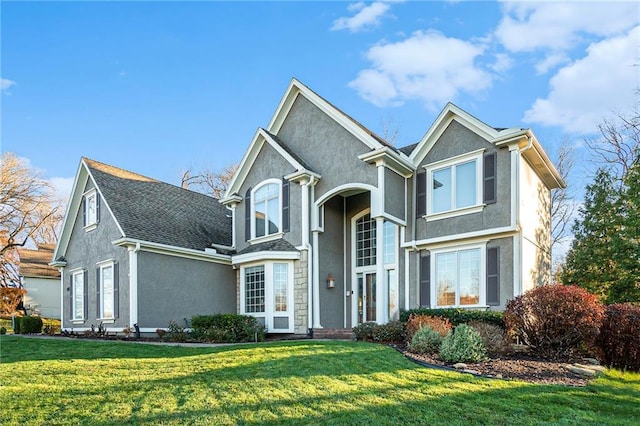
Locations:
78 296
454 187
268 294
91 208
457 277
107 290
266 207
390 246
365 241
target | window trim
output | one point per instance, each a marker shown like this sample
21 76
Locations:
101 266
270 309
268 236
89 226
451 163
73 274
482 271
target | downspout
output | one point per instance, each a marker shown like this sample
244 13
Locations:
133 285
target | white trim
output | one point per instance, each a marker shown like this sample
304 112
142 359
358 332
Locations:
462 158
455 212
263 184
345 187
316 282
483 234
102 265
73 273
406 278
62 279
86 196
168 250
390 159
264 239
482 284
242 259
133 284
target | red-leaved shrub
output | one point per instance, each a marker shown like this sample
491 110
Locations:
619 339
438 324
555 319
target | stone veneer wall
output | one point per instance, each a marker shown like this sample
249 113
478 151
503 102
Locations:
300 293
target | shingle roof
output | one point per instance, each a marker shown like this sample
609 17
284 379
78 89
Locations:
273 245
407 150
155 211
34 263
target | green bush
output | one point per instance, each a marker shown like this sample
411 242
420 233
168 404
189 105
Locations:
389 332
227 328
3 330
463 345
30 324
16 325
425 341
364 331
457 316
176 333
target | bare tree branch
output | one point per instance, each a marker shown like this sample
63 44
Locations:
213 183
562 206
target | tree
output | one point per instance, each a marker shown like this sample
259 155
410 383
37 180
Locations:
27 207
213 183
562 206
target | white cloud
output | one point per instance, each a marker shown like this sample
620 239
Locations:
62 187
5 84
587 90
551 61
427 66
366 16
554 25
503 63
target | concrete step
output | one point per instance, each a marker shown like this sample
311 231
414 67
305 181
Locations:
333 333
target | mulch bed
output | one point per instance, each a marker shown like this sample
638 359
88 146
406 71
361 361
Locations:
517 366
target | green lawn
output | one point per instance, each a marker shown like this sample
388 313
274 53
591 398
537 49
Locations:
306 382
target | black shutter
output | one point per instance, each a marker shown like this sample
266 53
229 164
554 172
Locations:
97 207
490 181
85 293
247 215
421 193
425 280
71 295
116 290
493 276
98 313
286 219
84 211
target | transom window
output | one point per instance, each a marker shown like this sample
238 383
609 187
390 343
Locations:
266 201
78 298
365 241
457 277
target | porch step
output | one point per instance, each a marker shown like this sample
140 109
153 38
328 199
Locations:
333 333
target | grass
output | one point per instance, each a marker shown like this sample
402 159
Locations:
56 381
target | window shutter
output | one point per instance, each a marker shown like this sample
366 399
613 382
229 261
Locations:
70 299
97 207
98 313
116 290
425 280
84 211
85 293
247 215
285 205
493 276
490 181
421 193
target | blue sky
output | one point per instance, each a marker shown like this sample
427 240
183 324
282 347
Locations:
158 87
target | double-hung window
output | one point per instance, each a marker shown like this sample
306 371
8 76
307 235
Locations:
107 290
78 296
266 207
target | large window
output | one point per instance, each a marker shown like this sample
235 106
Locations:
78 295
454 185
457 277
266 202
268 294
106 292
365 241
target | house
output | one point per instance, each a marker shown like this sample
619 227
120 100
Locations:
41 281
331 226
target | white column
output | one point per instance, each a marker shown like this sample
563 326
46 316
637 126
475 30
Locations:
133 284
382 287
62 290
316 283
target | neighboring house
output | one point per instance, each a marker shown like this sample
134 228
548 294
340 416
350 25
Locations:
41 281
333 226
134 250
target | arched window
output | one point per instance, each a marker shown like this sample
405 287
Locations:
266 208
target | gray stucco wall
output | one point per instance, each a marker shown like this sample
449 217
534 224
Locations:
506 269
394 188
331 257
270 165
326 147
458 140
86 250
173 288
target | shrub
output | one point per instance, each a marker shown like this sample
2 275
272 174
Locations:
425 341
30 324
16 325
464 344
493 338
389 332
364 331
555 319
3 330
417 321
457 316
227 328
176 333
619 339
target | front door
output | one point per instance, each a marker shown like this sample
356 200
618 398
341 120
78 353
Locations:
366 297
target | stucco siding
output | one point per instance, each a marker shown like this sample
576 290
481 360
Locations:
394 188
174 288
326 147
332 257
